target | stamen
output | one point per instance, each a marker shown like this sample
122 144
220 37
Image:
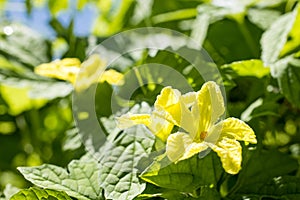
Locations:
203 135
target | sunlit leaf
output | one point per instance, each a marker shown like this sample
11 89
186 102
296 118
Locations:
287 72
263 18
274 39
175 15
260 108
187 175
12 65
142 11
23 45
72 140
268 3
18 99
9 191
81 180
249 68
119 163
108 25
40 194
56 6
293 43
22 95
200 27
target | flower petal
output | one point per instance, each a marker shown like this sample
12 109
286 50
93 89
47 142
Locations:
230 152
112 77
91 70
65 69
180 146
232 128
168 101
160 127
189 99
128 120
171 106
157 125
210 105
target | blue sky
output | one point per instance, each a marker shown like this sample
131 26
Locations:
15 11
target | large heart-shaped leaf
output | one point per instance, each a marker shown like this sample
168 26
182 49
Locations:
187 175
79 181
282 187
262 167
119 166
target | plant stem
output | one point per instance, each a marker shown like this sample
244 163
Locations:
140 80
175 15
246 34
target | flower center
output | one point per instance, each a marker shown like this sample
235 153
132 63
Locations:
203 135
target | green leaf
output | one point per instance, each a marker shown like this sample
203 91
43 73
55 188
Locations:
107 25
72 140
274 39
185 176
40 194
56 6
282 187
119 162
23 45
200 27
9 191
262 167
76 45
263 18
22 94
79 181
260 108
287 72
11 65
241 42
203 193
248 68
293 43
209 192
215 12
207 14
120 157
268 3
235 6
18 100
142 11
103 96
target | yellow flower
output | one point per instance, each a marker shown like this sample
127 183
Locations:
157 125
197 114
65 69
68 69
